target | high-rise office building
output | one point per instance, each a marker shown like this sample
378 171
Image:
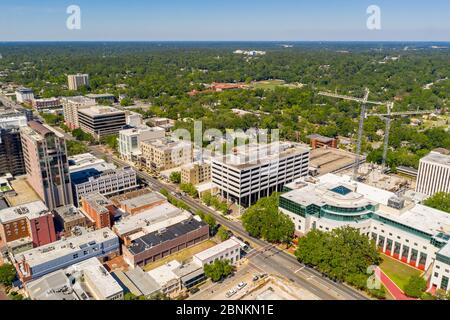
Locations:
11 155
434 173
101 121
71 105
46 163
76 81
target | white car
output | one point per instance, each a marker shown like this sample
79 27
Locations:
242 285
231 293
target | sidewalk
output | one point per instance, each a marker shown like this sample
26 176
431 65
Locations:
393 289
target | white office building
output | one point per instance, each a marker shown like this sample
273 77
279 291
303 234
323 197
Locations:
61 254
434 173
228 250
415 234
254 171
130 140
24 95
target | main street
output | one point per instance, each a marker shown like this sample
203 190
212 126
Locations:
271 260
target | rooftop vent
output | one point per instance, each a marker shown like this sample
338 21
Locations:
396 202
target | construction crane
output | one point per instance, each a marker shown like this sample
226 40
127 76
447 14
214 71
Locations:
385 116
388 118
363 101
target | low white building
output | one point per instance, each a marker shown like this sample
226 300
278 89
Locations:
24 95
61 254
130 140
227 250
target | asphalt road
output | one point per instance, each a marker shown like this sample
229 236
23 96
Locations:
272 260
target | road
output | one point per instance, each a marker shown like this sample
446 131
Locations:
269 259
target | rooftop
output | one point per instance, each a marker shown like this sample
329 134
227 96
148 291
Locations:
96 111
142 200
221 247
97 201
438 157
61 248
157 218
158 237
30 210
24 192
139 130
138 282
165 273
79 100
99 276
88 161
254 154
69 213
168 144
54 286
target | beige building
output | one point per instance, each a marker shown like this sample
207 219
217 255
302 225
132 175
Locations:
165 154
101 121
71 105
45 155
76 81
196 173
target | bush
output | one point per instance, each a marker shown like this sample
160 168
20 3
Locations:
175 177
7 274
415 287
218 270
223 233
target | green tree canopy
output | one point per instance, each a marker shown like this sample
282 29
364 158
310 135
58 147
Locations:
264 220
218 270
7 274
175 177
440 201
344 254
415 287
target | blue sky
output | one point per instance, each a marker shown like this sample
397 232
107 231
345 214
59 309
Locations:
293 20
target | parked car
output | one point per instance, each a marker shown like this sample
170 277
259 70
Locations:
255 277
242 285
231 293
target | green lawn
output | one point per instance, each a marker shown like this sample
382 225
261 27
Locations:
398 271
268 84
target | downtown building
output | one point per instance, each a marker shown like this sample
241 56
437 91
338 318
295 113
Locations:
47 167
101 121
24 95
42 104
35 263
434 173
89 175
164 154
71 105
26 226
412 233
11 154
130 140
77 81
255 171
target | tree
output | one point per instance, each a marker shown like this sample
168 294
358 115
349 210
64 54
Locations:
211 221
125 102
440 201
343 254
223 233
80 135
111 141
15 296
264 220
158 296
175 177
190 189
415 287
76 147
7 274
218 270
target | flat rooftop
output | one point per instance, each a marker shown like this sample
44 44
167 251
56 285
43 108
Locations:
54 286
139 130
138 281
165 273
61 248
88 161
97 201
104 282
79 100
438 157
252 155
158 237
96 111
69 213
329 160
151 220
24 192
142 200
167 144
30 210
221 247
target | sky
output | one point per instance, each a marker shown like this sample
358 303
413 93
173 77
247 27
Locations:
225 20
